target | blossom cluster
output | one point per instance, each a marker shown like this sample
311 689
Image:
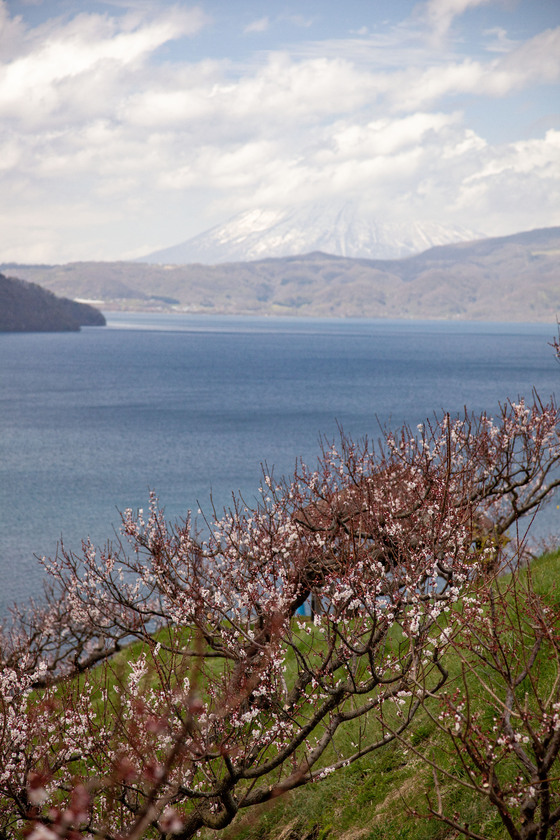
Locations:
227 696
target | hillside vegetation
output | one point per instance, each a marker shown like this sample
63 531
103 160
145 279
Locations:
26 307
430 662
388 793
511 278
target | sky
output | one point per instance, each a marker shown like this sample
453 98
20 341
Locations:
131 126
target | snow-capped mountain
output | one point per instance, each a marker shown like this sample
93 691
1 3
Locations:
343 230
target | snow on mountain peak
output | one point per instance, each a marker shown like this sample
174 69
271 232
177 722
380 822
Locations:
334 228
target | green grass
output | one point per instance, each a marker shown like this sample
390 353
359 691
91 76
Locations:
374 798
370 800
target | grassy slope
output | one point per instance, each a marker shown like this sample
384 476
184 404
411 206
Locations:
374 798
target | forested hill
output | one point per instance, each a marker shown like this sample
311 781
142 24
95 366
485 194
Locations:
26 307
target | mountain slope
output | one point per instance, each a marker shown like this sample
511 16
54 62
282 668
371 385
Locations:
511 278
333 228
26 307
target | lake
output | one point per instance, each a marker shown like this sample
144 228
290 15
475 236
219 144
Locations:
192 405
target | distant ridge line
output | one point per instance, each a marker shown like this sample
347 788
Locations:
507 278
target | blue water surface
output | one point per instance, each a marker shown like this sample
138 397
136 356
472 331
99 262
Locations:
192 405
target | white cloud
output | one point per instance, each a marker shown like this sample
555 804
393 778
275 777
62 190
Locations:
263 24
260 25
498 40
524 157
385 137
105 150
279 94
440 13
523 174
284 90
88 47
12 33
537 61
412 90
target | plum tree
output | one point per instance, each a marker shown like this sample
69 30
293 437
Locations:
227 696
